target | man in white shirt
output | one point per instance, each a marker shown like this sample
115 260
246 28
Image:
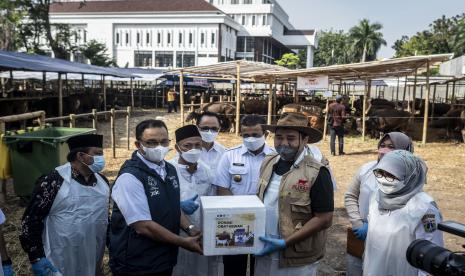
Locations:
146 218
209 127
237 174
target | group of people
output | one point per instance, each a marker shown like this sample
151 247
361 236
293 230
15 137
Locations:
154 226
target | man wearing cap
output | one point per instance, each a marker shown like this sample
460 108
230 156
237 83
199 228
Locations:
195 180
146 218
297 191
337 115
64 226
238 173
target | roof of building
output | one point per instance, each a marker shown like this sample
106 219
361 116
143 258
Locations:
133 6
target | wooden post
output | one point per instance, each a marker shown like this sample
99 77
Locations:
453 93
104 91
221 98
434 101
365 98
60 98
447 92
202 100
325 126
191 108
94 118
414 93
72 120
238 97
44 82
405 92
181 95
211 98
128 117
270 104
132 92
397 92
425 119
296 94
112 128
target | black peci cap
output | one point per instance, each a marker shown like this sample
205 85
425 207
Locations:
186 132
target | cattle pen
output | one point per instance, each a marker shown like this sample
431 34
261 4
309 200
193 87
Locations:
415 70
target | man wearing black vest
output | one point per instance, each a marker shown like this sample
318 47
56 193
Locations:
146 218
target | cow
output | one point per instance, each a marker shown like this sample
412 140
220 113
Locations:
453 122
313 113
435 110
254 106
226 111
380 121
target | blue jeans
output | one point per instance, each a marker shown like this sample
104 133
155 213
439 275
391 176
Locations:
339 132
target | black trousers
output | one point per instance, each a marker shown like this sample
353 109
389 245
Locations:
236 265
172 106
164 273
339 132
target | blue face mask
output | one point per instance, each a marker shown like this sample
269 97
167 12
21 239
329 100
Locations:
98 165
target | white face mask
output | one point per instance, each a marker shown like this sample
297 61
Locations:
191 156
155 154
208 136
389 187
253 144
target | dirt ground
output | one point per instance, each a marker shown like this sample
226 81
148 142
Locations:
446 184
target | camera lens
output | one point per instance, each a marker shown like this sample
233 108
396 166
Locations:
427 256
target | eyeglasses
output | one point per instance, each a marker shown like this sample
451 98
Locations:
380 174
389 146
213 129
155 143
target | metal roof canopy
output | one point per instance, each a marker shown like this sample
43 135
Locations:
396 67
37 63
228 69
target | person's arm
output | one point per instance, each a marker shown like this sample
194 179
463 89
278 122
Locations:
351 201
32 224
3 252
222 178
322 198
156 232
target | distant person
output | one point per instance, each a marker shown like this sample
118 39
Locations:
171 99
64 226
337 115
357 197
400 212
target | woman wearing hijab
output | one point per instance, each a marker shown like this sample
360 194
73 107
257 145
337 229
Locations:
400 212
357 197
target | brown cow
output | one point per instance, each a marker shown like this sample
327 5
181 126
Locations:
226 111
313 113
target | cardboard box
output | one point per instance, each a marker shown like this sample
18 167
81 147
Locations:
232 225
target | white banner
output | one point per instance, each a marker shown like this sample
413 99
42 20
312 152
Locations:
313 83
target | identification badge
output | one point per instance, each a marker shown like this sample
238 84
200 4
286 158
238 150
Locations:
239 164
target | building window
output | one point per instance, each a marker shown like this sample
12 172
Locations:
233 16
211 1
213 55
147 38
79 57
247 1
234 2
253 20
163 59
127 38
250 44
202 38
85 36
266 1
117 38
264 20
158 38
213 39
202 55
169 38
241 44
180 38
138 38
185 59
142 58
243 20
190 38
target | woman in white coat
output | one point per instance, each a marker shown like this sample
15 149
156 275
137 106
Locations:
357 197
399 213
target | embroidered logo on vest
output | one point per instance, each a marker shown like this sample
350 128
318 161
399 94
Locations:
153 186
173 181
301 186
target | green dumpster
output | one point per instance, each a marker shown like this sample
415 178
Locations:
38 152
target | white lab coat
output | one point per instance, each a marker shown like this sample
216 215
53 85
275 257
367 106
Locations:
391 232
75 229
199 183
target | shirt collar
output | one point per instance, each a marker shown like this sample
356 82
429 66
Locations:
151 165
266 150
216 147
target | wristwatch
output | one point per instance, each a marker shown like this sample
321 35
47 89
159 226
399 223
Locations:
189 229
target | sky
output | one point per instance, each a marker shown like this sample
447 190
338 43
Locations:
398 17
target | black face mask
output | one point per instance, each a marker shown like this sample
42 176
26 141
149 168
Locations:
287 153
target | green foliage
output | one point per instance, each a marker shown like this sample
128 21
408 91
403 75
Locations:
10 18
366 40
289 60
333 48
444 35
96 52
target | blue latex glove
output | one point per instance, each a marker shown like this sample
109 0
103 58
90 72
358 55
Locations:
8 270
271 245
361 232
43 267
189 206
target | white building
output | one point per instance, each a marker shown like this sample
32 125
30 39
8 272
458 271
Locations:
180 33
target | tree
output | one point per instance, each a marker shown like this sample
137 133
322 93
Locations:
10 18
333 48
289 60
459 38
96 52
366 39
